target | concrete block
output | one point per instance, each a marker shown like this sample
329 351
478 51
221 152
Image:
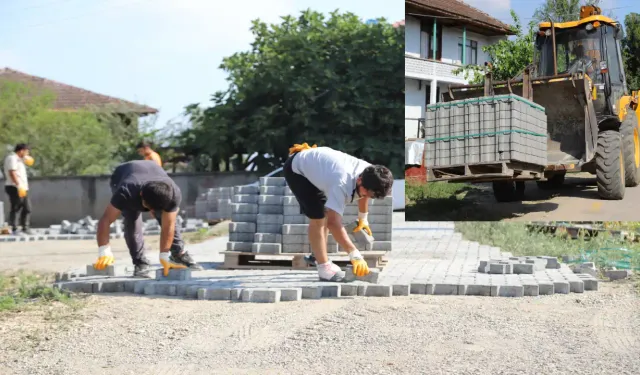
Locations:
272 181
362 289
561 287
538 264
418 287
249 189
523 268
590 283
480 290
242 227
271 190
271 210
174 274
245 198
617 274
244 218
552 263
295 219
311 292
576 286
244 208
295 239
295 229
444 289
116 270
292 210
401 289
290 294
269 228
546 288
266 248
290 201
271 219
239 246
382 246
271 200
241 237
371 278
77 286
498 268
331 291
531 289
361 237
296 248
261 295
138 288
216 294
108 286
267 238
378 290
510 291
349 290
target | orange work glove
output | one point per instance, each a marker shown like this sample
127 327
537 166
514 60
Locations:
297 148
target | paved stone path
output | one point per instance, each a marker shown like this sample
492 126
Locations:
428 258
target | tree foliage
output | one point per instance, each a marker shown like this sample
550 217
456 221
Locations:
631 50
508 57
563 10
333 81
63 143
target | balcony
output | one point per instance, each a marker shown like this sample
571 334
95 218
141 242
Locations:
419 68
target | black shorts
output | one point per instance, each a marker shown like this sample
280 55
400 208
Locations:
310 198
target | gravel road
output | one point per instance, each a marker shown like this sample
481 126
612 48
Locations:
591 333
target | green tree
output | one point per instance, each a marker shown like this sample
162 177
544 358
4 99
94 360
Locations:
332 81
631 50
563 10
63 143
508 57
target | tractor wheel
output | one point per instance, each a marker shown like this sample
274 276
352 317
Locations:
631 149
554 182
610 175
508 191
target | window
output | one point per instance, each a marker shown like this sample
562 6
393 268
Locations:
472 51
425 45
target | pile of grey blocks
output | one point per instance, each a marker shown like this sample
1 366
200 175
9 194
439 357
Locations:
214 204
266 219
518 265
485 130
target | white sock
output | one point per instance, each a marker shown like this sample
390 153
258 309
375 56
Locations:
327 270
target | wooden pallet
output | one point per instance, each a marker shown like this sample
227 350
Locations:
241 260
487 172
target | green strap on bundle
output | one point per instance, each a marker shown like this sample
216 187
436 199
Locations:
484 134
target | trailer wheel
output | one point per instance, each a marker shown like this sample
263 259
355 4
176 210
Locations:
631 148
508 191
554 182
610 172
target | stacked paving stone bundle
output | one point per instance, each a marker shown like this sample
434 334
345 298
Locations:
268 237
295 237
214 204
244 217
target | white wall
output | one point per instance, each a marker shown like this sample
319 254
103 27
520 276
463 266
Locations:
414 105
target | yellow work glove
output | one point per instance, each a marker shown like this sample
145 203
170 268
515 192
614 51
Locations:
28 160
360 266
297 148
168 264
22 192
363 223
105 258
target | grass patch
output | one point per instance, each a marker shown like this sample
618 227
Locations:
21 290
437 201
514 237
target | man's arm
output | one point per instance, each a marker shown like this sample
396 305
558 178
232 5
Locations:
363 205
167 229
108 217
14 176
334 223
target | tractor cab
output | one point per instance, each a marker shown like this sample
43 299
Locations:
589 46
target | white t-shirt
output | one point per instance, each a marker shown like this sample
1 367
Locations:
14 163
332 172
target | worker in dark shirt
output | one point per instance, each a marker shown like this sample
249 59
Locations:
143 186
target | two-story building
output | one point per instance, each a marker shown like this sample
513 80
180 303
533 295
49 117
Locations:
435 33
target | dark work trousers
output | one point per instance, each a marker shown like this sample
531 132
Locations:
134 236
18 204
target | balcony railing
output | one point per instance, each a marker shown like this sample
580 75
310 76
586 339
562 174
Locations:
418 67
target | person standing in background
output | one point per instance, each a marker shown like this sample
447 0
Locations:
17 187
144 149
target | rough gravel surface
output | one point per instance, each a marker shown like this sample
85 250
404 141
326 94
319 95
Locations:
590 333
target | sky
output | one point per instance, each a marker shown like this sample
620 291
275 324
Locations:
162 53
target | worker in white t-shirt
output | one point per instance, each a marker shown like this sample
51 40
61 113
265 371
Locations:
17 186
323 181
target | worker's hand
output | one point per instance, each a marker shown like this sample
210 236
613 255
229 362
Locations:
28 160
363 223
105 258
360 266
168 264
297 148
22 192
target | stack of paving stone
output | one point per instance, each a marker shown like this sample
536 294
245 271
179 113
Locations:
267 220
214 204
295 237
244 217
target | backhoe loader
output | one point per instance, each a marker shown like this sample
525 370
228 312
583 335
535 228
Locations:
577 75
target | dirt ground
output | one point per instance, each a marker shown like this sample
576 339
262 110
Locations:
590 333
576 200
